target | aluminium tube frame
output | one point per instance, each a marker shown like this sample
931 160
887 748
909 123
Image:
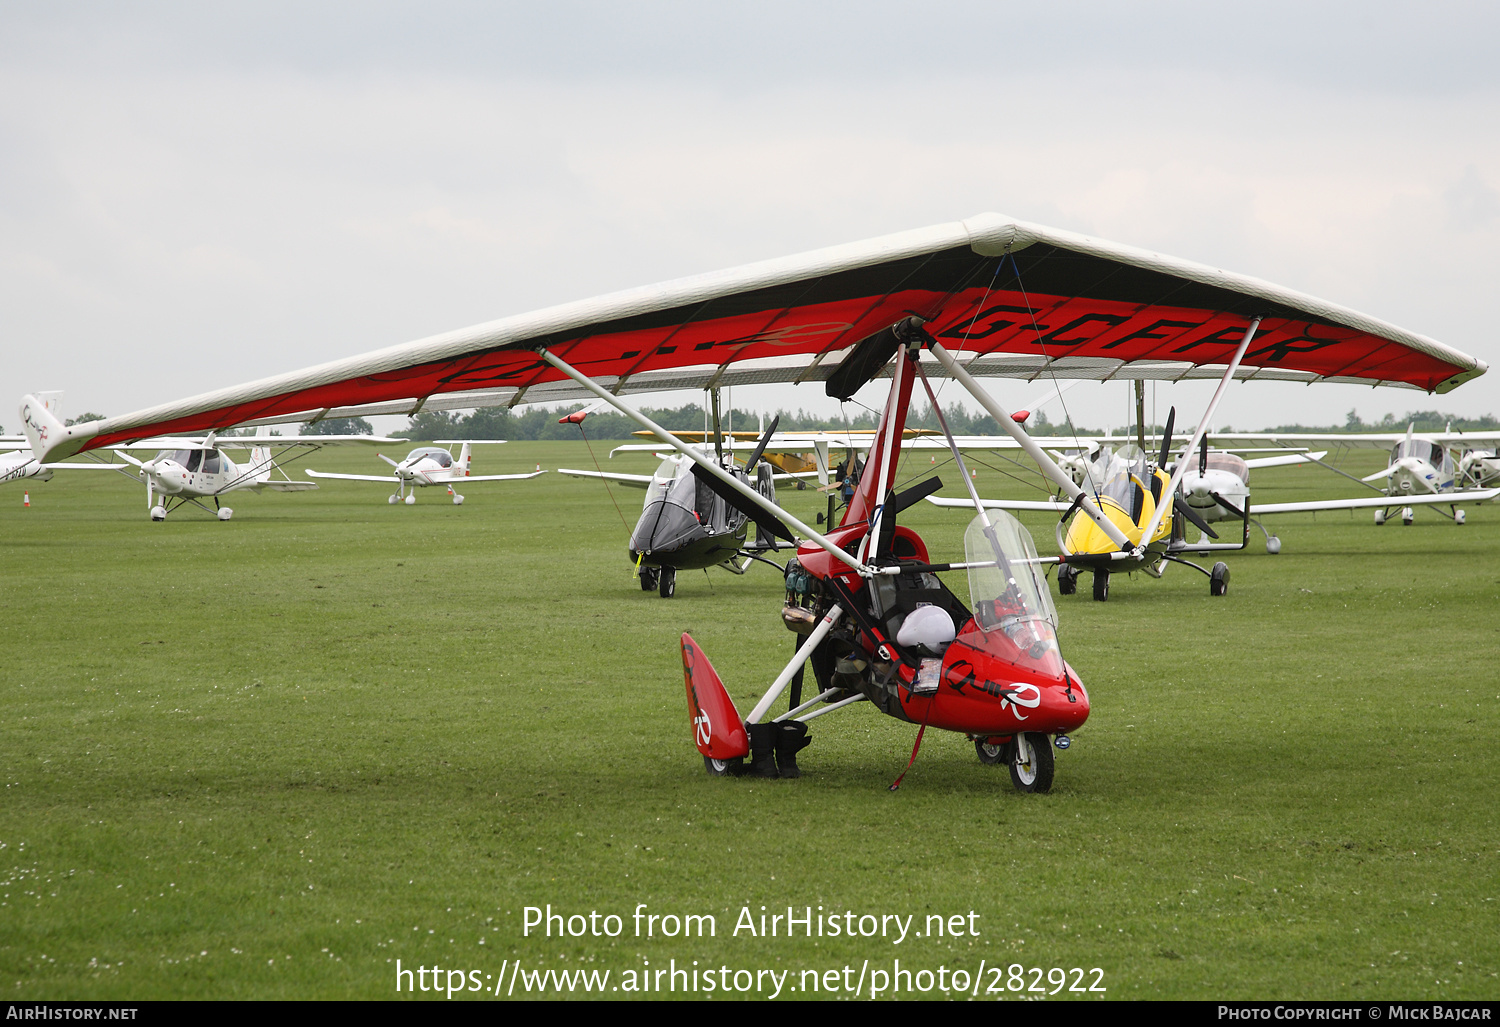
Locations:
803 652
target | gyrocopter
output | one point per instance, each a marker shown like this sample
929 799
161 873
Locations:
989 296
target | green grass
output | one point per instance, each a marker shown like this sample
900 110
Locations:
270 757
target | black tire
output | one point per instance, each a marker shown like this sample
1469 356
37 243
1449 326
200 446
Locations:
723 768
989 754
649 576
1034 773
1067 580
1218 579
1101 585
668 582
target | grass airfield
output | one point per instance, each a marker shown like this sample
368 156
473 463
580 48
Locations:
268 758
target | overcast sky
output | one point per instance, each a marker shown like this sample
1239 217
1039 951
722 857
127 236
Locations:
195 195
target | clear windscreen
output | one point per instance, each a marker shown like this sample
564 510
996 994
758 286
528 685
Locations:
1015 590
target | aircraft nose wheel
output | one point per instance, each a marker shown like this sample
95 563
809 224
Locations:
1218 579
1034 764
1067 580
1407 515
723 768
667 583
1101 586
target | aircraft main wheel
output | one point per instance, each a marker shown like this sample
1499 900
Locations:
225 513
1101 586
989 753
667 584
1218 579
411 500
649 576
158 513
1407 515
1458 516
723 768
1034 766
1379 518
458 500
1273 545
1067 580
393 500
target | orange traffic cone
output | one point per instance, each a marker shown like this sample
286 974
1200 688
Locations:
27 500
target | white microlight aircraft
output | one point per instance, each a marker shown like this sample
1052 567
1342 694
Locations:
190 470
1421 471
426 466
985 296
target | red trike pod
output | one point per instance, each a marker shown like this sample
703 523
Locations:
717 729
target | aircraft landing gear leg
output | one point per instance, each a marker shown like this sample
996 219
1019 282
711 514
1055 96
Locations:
1034 763
667 582
649 576
1101 585
1273 544
1067 580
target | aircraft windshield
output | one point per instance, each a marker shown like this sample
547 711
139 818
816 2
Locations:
442 456
1422 449
188 459
1014 594
1231 463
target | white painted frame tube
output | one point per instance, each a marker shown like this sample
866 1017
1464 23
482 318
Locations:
1213 404
701 460
807 705
803 652
1045 463
831 707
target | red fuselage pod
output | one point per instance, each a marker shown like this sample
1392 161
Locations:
717 729
1002 679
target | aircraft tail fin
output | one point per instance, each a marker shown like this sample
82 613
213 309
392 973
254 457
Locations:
717 729
261 463
464 456
43 430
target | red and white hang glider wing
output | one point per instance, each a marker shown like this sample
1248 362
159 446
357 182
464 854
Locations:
1008 297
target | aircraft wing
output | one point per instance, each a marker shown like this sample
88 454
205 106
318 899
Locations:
497 477
351 477
1285 461
635 481
1046 506
1265 509
288 486
1006 297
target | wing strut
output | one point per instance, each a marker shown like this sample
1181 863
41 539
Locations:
1045 463
701 460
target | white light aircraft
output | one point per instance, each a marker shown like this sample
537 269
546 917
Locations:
426 466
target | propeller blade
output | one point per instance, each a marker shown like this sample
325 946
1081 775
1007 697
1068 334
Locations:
772 525
1197 522
1226 504
1203 456
1166 438
388 460
760 448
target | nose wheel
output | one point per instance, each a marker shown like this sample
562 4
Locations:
1101 585
1034 764
667 583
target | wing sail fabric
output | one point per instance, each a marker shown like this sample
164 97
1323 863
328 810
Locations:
1011 298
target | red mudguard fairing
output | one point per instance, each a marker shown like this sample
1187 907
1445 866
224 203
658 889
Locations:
717 729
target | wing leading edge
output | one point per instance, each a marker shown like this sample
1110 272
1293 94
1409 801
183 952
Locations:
1008 297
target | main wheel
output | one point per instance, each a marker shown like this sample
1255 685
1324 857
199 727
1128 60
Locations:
667 584
1273 545
1218 580
989 753
1101 585
1379 518
723 768
1407 515
648 579
1067 580
1034 766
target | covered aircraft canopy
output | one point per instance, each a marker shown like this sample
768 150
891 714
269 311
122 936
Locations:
1007 297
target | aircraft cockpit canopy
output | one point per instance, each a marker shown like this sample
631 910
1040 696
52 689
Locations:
1119 474
1229 462
441 456
1423 449
1012 589
207 461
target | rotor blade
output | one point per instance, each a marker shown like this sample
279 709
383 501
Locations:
760 449
1198 522
743 505
1166 438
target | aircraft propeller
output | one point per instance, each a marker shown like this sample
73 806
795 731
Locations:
760 447
1166 438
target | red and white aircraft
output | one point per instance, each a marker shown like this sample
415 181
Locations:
426 466
986 296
